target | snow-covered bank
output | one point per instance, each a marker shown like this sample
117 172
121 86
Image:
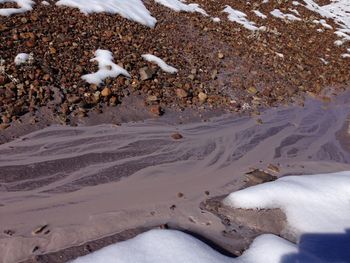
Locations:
24 5
131 9
312 203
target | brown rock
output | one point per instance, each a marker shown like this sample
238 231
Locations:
176 136
202 97
180 195
156 110
180 93
106 92
146 73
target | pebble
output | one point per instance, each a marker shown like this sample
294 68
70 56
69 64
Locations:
176 136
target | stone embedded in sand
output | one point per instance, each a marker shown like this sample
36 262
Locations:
176 136
180 195
221 55
180 93
106 92
146 73
39 229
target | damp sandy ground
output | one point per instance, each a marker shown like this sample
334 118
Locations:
89 182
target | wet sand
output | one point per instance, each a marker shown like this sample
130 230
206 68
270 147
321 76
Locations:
86 183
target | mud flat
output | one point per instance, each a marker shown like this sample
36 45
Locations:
63 186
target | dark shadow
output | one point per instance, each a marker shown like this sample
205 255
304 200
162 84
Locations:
210 243
321 247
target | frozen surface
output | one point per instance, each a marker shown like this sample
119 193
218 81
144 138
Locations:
131 9
157 246
24 5
277 13
21 58
107 68
312 203
178 6
240 18
164 66
259 14
339 11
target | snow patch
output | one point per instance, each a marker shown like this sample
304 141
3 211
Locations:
24 5
277 13
339 11
179 6
21 58
240 18
164 66
45 3
131 9
157 246
107 68
312 203
259 14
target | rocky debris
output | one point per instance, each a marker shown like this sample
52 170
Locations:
202 97
180 93
258 177
176 136
9 232
221 65
156 110
273 168
242 226
40 229
146 73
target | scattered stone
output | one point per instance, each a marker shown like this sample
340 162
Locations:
176 136
9 232
106 92
258 177
156 110
146 73
164 226
207 193
181 93
221 55
273 168
180 195
202 97
172 207
39 229
152 98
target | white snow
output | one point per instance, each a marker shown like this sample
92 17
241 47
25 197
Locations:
277 13
339 11
164 66
107 68
24 5
259 14
170 246
178 6
131 9
21 58
312 203
45 3
216 19
240 18
157 246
